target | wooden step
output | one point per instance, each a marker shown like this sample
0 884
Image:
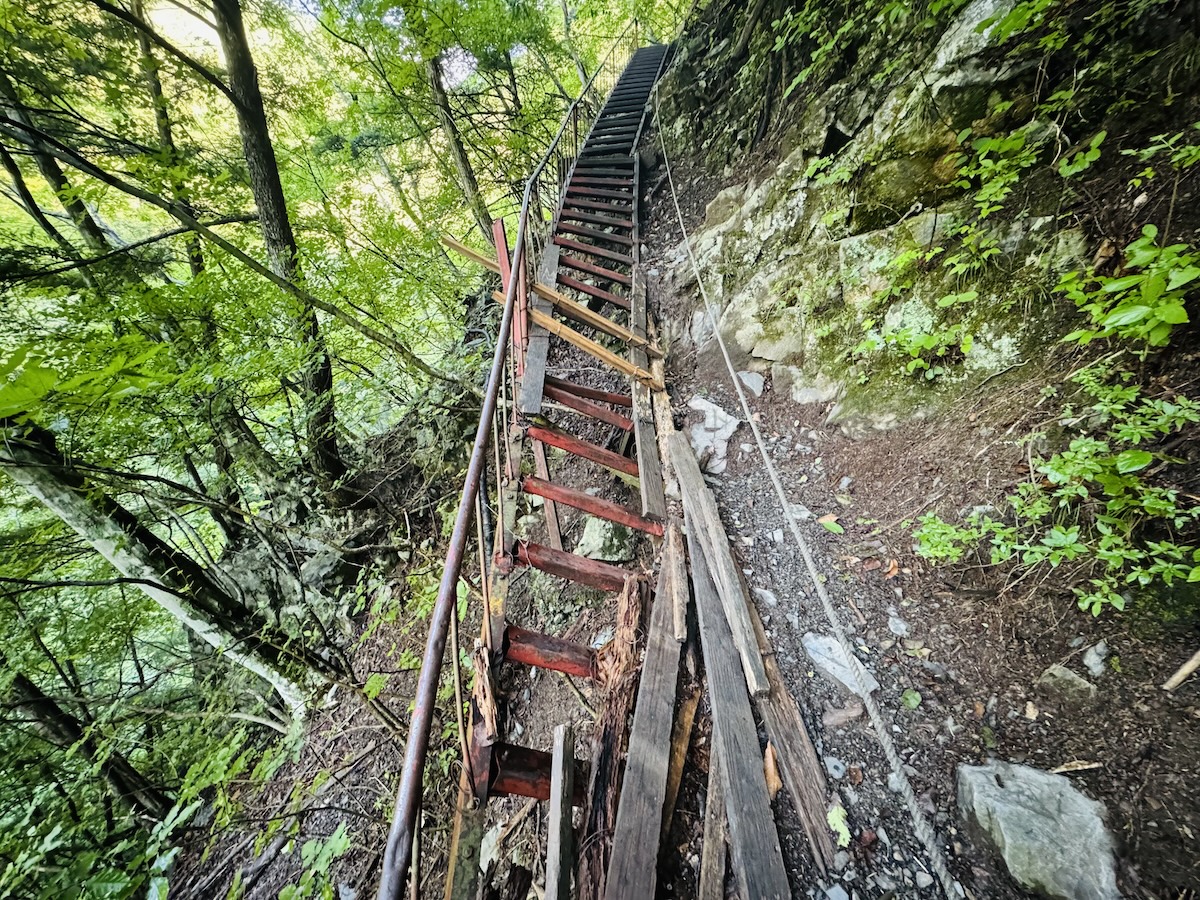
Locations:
597 159
604 509
601 181
581 265
556 437
573 567
592 291
618 208
574 191
580 215
582 231
625 401
588 408
593 250
533 648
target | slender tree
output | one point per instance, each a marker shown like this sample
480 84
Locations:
283 254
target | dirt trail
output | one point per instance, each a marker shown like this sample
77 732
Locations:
957 652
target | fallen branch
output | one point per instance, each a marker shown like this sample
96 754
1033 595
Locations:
1182 673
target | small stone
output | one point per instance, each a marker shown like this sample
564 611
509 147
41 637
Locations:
753 381
844 484
836 892
762 595
897 626
1062 682
884 883
829 659
835 767
1094 658
895 783
841 859
924 879
777 535
800 512
710 437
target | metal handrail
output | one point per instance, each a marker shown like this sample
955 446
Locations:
397 854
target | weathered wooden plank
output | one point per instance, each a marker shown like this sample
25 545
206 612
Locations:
654 500
714 852
537 352
681 740
595 506
466 838
753 838
802 772
549 509
704 525
675 564
616 674
559 844
633 870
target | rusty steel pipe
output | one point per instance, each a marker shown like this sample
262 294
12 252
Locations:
397 853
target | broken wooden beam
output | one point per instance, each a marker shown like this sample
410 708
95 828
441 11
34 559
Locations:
633 870
560 841
753 837
704 525
714 853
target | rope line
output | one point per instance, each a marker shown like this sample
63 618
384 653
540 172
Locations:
921 825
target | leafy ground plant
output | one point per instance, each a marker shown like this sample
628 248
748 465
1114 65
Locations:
1092 504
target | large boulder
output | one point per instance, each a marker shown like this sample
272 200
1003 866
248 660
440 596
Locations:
1051 837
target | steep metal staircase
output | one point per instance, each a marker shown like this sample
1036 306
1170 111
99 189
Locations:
586 299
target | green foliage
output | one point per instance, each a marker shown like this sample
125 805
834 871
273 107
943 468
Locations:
992 166
1082 160
1091 504
923 354
316 857
1143 306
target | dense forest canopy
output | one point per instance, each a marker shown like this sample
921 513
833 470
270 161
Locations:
236 368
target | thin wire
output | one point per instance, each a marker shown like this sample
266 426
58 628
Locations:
921 826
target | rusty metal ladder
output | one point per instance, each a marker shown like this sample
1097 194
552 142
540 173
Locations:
588 278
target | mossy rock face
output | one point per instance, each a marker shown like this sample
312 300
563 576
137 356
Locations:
888 190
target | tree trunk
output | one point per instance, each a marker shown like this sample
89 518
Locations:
458 152
166 140
282 252
128 785
93 235
567 17
170 578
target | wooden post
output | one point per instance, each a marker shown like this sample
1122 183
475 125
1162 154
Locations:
559 850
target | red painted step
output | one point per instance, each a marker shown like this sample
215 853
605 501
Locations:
605 509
